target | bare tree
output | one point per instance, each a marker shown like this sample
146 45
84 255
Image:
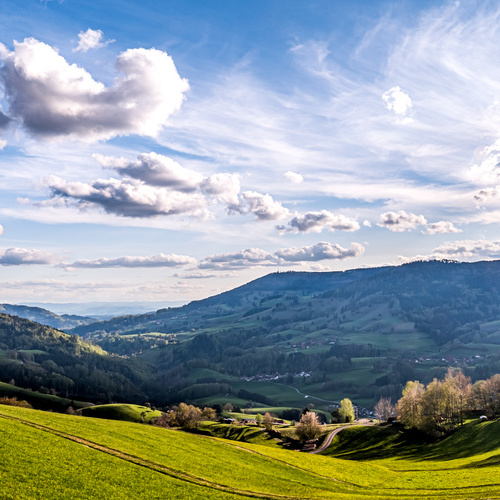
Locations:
308 427
268 421
384 409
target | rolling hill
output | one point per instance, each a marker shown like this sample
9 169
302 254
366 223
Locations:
361 333
45 317
53 456
291 339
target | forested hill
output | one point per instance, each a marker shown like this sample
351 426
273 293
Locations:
272 285
363 333
42 358
446 300
45 317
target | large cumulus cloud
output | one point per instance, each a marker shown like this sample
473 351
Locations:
157 185
52 98
128 197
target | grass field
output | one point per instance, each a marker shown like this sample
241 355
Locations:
39 400
52 456
122 411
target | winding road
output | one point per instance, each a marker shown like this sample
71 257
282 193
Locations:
329 439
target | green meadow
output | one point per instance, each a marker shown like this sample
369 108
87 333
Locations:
53 456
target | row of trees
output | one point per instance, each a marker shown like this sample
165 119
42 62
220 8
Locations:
443 404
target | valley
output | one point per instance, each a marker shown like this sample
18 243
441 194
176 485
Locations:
285 339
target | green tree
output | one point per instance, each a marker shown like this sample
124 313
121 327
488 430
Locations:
187 416
408 408
308 427
258 419
346 411
208 414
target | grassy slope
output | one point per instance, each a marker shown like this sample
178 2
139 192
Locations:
122 411
138 459
39 400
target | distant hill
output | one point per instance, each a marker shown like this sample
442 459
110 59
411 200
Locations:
175 319
361 333
46 317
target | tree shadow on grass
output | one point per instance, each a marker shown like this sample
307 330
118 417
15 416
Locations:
372 443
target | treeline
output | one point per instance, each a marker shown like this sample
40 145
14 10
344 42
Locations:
444 404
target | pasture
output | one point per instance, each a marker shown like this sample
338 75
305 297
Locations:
52 456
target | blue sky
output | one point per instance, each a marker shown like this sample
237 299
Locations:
168 151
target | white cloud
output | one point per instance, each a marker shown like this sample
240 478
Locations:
203 275
399 102
55 99
465 250
487 193
442 227
401 221
317 221
91 39
20 256
321 251
469 248
262 206
127 197
156 170
294 177
160 260
3 143
486 169
224 187
1 229
244 258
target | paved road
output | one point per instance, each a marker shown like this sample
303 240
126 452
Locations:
329 439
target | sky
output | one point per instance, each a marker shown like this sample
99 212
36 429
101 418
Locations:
162 152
